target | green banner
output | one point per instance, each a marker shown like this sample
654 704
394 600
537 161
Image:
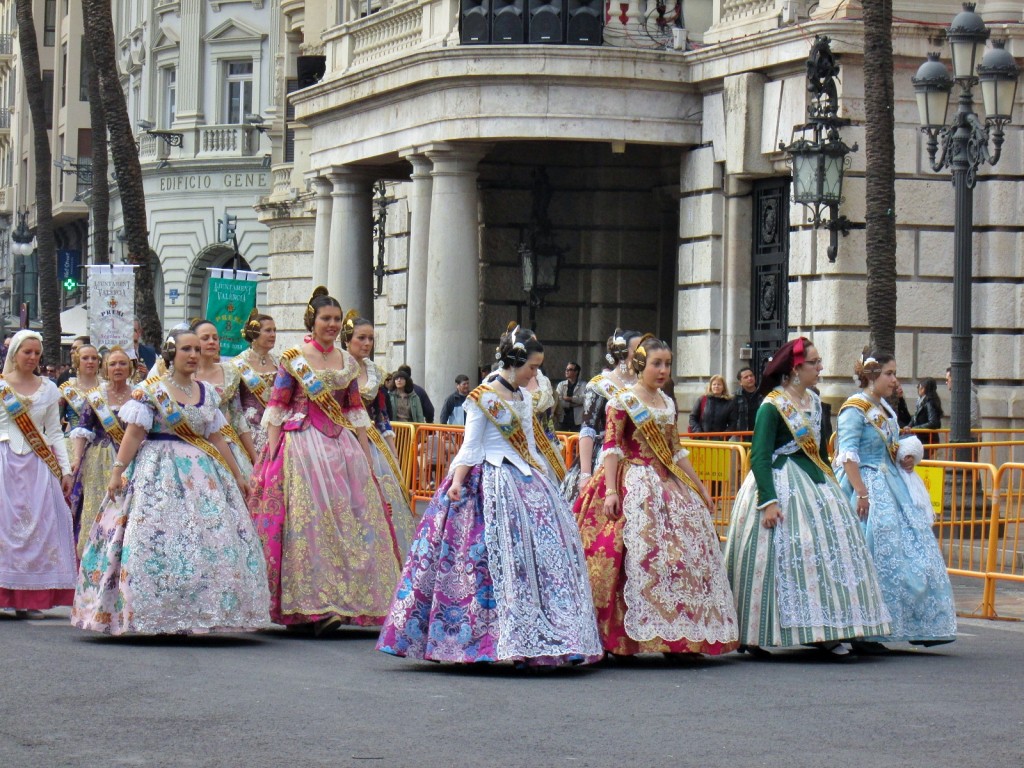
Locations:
228 307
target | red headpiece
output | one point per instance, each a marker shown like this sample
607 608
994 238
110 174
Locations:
789 356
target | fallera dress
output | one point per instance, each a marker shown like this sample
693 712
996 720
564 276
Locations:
37 546
235 423
656 568
544 409
253 392
499 575
324 524
595 403
176 552
385 464
899 535
102 430
809 579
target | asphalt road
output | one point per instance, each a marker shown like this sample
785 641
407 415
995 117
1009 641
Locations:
276 699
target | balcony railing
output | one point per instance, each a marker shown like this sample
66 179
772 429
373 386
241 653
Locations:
200 142
6 45
5 118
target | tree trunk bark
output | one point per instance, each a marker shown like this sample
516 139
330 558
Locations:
46 254
99 30
880 172
100 183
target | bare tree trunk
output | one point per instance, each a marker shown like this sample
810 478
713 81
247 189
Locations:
99 31
880 158
46 254
100 183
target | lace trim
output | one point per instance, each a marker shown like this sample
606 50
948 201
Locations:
844 456
682 453
588 431
78 432
613 452
275 415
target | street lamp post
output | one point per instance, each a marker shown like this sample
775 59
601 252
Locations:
23 245
965 148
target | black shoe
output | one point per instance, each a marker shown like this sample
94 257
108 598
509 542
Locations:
326 626
868 648
755 651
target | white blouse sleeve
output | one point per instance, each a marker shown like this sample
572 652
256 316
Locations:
137 412
472 451
216 423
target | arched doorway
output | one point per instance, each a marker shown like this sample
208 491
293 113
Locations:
213 256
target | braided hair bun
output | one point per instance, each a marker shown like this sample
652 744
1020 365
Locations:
320 298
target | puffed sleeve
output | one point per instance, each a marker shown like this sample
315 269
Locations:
614 430
593 414
137 411
279 405
471 453
353 406
762 445
87 426
851 429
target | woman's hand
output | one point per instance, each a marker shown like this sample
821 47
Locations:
115 486
242 486
772 515
611 504
863 504
65 485
455 492
907 462
75 462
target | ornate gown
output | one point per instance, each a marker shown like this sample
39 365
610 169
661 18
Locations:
37 546
499 575
391 484
253 391
102 430
595 403
656 569
544 407
899 535
235 422
73 396
809 579
176 552
324 524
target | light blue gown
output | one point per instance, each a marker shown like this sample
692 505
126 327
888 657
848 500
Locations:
910 567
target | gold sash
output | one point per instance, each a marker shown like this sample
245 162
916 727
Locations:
508 424
547 450
316 391
799 427
105 414
252 380
153 390
652 434
73 396
19 413
874 415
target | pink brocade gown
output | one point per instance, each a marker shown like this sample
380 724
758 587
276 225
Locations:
329 546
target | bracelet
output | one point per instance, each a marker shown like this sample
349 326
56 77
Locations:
611 493
585 474
865 497
119 465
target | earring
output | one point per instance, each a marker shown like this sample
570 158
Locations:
623 368
610 359
170 369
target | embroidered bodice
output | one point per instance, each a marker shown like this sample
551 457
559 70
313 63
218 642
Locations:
485 443
621 436
290 408
45 412
858 439
375 398
595 405
252 408
89 426
70 390
230 399
204 418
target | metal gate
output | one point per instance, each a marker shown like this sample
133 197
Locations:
769 278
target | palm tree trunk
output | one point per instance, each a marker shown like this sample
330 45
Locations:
880 159
99 31
46 254
100 183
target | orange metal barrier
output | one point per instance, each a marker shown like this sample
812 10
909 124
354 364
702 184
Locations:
721 466
995 453
570 445
435 447
405 438
743 438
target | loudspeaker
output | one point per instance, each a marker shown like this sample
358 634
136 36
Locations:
583 22
545 21
508 22
309 70
475 22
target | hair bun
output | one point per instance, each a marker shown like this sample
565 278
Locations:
640 355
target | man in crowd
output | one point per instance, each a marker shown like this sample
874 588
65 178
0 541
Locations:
975 405
748 400
569 400
453 411
144 354
428 407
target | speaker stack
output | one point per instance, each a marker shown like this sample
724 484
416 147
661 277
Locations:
476 22
310 70
577 22
583 22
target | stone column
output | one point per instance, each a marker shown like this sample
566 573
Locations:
322 232
736 276
452 327
189 108
419 238
350 250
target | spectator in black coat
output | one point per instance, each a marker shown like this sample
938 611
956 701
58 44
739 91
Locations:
714 411
747 401
929 408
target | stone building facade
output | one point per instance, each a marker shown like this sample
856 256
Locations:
668 191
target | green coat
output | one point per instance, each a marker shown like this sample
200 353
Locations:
415 407
770 433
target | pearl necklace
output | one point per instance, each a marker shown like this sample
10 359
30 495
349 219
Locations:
188 391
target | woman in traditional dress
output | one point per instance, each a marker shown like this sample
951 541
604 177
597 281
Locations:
899 535
358 337
226 379
37 546
173 550
543 395
257 367
497 571
796 555
655 563
617 376
86 363
96 440
331 553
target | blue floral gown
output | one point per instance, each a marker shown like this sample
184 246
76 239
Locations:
911 571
